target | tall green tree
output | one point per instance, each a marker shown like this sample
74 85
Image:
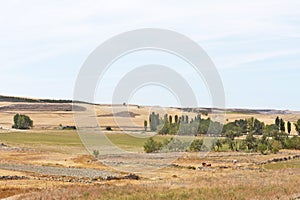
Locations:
187 119
289 127
218 144
297 126
145 125
176 119
170 119
154 121
232 131
277 122
272 131
255 126
251 142
282 125
182 119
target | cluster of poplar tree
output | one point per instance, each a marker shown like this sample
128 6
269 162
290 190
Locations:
182 125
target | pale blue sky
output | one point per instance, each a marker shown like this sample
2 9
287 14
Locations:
254 44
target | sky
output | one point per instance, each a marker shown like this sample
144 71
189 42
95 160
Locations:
255 45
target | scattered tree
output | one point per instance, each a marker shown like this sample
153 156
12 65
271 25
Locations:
22 122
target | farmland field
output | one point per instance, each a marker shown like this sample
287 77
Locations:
47 162
63 149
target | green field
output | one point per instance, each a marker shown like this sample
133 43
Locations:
292 164
48 140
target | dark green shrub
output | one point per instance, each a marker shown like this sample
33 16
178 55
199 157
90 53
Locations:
152 146
175 145
96 153
108 128
262 148
196 145
22 122
292 143
276 146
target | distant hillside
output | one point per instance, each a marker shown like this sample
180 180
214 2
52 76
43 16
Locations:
29 100
237 111
194 110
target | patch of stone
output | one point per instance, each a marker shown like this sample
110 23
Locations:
13 177
59 171
128 177
182 167
275 160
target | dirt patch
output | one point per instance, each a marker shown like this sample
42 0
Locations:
121 114
8 192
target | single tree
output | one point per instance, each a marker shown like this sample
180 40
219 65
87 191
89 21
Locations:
187 119
251 142
145 125
282 125
182 119
262 148
170 119
22 122
154 121
218 144
289 127
230 134
297 126
277 121
176 119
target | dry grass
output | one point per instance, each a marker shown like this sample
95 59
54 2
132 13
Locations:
207 186
281 182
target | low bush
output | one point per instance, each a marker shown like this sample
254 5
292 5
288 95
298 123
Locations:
276 146
196 145
262 148
175 145
293 143
152 146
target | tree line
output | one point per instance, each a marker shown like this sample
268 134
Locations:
187 125
260 137
183 125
